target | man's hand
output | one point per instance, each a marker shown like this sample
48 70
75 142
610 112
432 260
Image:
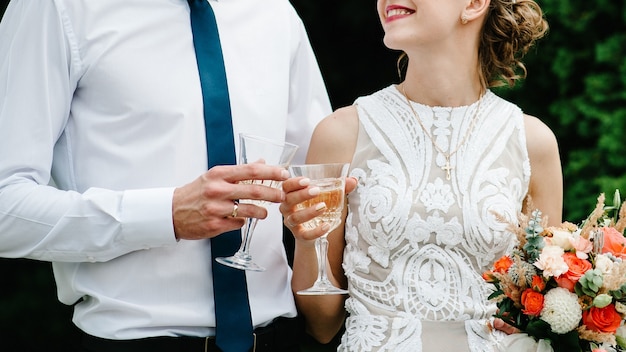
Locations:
204 207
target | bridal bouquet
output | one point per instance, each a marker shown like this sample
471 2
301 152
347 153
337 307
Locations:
565 287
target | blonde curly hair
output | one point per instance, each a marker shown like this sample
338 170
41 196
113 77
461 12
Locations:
510 30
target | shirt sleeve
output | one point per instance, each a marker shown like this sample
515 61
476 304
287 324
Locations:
308 97
39 70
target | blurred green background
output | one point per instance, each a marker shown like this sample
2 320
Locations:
576 85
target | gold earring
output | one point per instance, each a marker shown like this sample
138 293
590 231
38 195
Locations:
464 19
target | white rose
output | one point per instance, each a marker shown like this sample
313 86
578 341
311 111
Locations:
561 238
621 331
604 264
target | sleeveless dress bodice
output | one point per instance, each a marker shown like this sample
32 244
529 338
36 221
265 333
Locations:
418 243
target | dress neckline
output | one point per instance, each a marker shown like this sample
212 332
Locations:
398 93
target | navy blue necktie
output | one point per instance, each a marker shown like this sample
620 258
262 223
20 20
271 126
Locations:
232 309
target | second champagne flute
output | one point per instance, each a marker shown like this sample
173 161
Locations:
253 149
331 179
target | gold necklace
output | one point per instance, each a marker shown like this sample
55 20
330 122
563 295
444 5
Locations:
447 167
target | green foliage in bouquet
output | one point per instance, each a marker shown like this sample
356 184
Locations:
534 241
589 283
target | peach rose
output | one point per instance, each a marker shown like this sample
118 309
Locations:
503 264
576 269
614 242
582 246
532 302
606 319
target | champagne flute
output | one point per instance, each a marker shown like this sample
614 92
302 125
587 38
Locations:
253 149
330 178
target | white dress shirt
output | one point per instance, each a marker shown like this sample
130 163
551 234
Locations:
101 118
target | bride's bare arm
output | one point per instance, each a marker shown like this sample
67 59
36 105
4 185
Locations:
334 140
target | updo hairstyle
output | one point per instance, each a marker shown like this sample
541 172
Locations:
511 28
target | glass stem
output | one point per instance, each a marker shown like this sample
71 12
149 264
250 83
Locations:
247 231
321 245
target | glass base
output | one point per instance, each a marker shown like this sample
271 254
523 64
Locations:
322 288
238 262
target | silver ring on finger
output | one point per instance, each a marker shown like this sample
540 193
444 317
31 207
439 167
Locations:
235 209
288 222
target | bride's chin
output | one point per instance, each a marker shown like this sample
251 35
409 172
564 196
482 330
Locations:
392 43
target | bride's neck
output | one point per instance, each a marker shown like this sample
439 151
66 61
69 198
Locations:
442 83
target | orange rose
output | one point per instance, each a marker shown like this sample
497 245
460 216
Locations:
538 284
489 277
576 269
605 319
503 264
614 242
532 302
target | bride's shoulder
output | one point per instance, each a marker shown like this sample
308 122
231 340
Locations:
335 137
546 178
342 121
538 135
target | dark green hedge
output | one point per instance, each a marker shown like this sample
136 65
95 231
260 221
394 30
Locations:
576 84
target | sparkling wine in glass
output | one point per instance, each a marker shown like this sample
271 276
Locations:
330 178
253 149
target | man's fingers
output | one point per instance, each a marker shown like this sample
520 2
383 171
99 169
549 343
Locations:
244 172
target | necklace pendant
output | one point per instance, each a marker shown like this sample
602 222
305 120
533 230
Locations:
447 167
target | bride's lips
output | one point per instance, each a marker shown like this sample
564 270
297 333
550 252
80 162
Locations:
395 12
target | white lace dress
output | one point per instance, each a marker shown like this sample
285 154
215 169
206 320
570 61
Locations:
417 243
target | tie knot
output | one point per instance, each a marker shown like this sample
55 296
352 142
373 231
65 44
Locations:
199 5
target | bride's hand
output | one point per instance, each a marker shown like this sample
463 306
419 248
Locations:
298 190
499 324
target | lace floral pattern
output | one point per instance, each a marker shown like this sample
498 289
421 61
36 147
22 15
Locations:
416 243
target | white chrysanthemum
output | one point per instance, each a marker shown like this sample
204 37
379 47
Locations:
551 261
561 310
